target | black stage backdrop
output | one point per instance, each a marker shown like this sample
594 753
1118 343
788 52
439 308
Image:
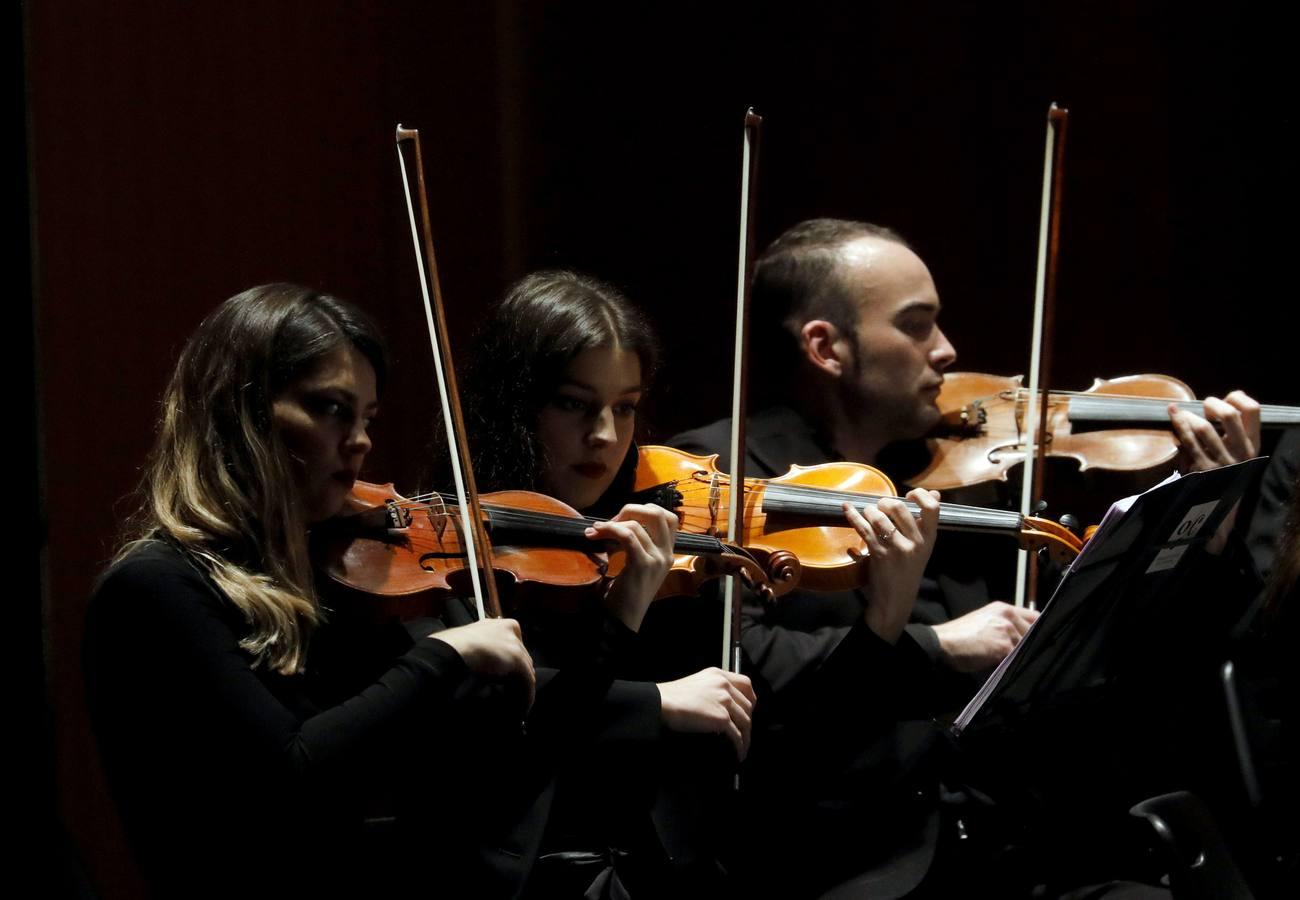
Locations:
183 152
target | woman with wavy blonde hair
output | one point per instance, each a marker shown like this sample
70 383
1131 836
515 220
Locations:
241 770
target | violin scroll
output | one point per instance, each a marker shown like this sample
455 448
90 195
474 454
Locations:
1062 544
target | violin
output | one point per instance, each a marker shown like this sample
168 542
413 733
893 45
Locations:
794 525
1118 424
409 553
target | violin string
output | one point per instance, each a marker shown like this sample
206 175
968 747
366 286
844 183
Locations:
1139 401
1157 405
511 514
954 513
1106 398
951 515
567 526
787 492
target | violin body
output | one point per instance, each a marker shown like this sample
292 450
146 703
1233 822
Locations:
410 557
981 436
795 526
792 549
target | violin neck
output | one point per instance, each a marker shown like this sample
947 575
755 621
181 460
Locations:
827 507
1153 412
504 521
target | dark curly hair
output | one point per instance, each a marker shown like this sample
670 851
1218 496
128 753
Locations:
520 356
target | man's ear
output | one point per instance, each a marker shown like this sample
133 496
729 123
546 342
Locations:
825 348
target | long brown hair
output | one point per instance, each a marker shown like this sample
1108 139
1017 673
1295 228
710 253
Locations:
219 481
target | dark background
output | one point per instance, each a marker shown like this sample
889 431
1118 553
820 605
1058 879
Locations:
179 153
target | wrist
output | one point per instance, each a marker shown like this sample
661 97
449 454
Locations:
627 604
947 646
453 641
667 704
886 627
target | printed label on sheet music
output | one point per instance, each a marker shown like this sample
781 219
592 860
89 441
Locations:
1193 522
1167 558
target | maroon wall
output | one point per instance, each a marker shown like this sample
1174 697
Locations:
183 152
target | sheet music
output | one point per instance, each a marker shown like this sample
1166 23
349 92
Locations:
1140 543
1110 522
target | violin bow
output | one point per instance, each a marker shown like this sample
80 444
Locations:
731 589
1036 410
474 534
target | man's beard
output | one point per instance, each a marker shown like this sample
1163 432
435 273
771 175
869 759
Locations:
892 418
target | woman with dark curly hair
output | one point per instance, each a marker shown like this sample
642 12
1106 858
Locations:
558 373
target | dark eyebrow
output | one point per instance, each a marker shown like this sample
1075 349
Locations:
634 389
915 305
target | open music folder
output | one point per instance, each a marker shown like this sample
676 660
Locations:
1106 614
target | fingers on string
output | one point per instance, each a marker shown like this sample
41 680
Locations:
859 523
1235 442
901 518
1193 434
928 501
660 523
1249 408
1239 415
630 535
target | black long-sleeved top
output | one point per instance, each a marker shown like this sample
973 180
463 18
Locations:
234 780
386 767
624 787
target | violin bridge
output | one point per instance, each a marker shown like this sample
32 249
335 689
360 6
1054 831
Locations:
715 501
437 513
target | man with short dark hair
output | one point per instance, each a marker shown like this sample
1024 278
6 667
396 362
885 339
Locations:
843 774
852 358
845 323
